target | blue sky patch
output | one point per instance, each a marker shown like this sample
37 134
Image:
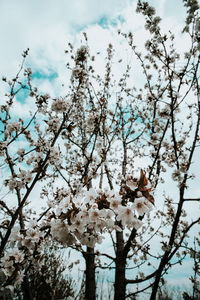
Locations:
103 22
121 19
41 75
23 93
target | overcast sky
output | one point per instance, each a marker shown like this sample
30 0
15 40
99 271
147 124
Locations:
46 26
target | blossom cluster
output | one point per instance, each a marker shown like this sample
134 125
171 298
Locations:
13 127
59 105
86 216
25 246
19 181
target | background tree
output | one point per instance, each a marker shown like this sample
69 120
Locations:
51 282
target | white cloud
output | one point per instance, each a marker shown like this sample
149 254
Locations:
46 26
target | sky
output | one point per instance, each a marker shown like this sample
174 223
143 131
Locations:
46 27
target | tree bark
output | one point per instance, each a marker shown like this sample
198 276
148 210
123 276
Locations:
120 284
165 257
90 284
26 289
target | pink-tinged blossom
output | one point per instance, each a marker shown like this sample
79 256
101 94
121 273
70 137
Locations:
109 218
33 234
79 222
64 206
15 234
142 206
77 225
125 215
94 214
115 202
18 256
134 223
90 195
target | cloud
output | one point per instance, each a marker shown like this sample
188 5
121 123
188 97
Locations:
46 26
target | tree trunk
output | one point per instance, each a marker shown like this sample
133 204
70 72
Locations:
120 285
90 284
26 289
157 279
